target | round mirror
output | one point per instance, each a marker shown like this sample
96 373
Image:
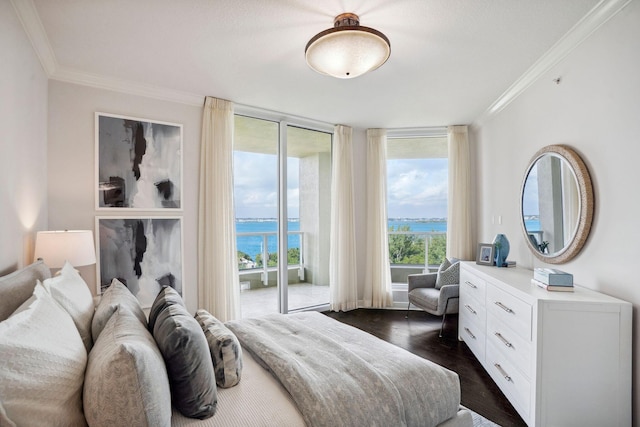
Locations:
556 204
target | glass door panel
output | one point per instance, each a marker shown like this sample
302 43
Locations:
256 205
309 212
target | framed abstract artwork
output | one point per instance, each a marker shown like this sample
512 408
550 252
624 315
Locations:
138 163
144 253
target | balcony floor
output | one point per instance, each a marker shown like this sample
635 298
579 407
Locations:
261 301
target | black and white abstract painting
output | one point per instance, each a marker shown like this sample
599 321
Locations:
143 253
139 163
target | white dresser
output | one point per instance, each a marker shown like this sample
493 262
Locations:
561 358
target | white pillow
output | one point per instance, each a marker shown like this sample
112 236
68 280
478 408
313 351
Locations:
42 364
72 293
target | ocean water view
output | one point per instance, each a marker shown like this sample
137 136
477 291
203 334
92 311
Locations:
252 245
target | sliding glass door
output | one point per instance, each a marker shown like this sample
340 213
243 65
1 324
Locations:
282 197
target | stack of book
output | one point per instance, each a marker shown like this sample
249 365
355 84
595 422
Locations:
552 279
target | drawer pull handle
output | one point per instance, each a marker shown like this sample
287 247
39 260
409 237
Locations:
471 284
504 341
470 334
502 372
468 307
504 307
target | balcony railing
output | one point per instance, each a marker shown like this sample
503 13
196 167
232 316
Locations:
424 239
264 269
427 239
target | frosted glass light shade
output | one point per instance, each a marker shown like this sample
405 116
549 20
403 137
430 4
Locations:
347 50
56 247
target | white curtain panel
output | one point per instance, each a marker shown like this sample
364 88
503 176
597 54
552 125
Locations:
218 281
459 238
342 259
377 287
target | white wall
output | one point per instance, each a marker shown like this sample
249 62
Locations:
596 110
23 143
71 159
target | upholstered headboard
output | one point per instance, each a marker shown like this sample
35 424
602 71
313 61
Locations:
17 287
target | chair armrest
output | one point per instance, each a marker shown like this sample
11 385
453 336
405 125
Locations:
425 280
448 291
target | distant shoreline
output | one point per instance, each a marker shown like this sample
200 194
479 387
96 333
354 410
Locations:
389 219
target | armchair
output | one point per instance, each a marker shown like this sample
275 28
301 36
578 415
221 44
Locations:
424 294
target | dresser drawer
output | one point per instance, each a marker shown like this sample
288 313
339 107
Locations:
476 312
515 348
473 335
515 386
472 285
510 311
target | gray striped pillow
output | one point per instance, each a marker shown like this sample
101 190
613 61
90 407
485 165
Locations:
225 349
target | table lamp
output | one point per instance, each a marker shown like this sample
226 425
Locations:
56 247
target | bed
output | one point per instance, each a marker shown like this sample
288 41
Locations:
302 369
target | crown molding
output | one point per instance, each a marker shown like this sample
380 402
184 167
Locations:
128 87
30 20
596 17
28 15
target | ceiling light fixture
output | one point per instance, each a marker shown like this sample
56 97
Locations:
347 50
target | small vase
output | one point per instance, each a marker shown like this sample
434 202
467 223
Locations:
501 244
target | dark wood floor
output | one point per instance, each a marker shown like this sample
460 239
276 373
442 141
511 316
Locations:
419 335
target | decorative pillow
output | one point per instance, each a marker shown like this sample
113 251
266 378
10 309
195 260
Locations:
42 365
186 354
448 274
116 295
126 383
167 296
72 293
224 347
17 287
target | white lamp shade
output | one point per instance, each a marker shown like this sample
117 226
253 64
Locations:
56 247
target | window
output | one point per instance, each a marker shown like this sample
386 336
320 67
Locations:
417 191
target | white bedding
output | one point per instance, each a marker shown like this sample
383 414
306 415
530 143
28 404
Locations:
258 400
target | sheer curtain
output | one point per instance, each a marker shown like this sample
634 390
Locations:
377 288
218 282
459 239
342 259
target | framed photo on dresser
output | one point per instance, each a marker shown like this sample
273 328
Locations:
485 254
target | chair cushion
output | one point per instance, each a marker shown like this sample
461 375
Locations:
426 299
448 274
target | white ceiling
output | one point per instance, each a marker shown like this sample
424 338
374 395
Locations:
451 60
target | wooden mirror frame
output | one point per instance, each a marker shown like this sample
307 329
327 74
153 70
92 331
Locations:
585 218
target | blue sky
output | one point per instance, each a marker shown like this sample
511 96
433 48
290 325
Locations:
416 188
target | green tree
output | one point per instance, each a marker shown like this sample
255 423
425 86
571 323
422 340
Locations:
405 248
293 258
243 256
437 249
409 248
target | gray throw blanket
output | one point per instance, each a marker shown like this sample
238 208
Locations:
339 375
